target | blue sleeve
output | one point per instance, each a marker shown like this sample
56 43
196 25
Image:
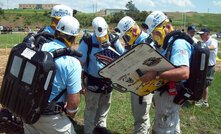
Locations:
181 53
83 48
74 76
119 47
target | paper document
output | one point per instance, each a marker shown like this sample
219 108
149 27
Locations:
124 76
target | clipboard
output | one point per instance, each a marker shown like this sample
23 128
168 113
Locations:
123 71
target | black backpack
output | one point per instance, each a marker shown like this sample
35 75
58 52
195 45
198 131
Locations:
87 38
27 81
193 88
36 40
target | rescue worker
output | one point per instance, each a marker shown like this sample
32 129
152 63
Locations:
166 119
57 12
191 30
98 90
68 76
133 35
213 47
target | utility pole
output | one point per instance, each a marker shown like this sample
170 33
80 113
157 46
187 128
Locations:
96 5
185 21
93 5
182 21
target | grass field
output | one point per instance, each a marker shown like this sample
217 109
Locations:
204 120
194 120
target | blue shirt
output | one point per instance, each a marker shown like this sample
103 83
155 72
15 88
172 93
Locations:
68 72
181 53
94 65
48 29
141 38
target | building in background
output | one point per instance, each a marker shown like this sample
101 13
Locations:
113 11
36 6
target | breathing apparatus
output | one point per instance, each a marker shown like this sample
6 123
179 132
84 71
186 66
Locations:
54 21
100 28
128 29
68 28
159 32
156 23
132 34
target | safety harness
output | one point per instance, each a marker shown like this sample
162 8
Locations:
102 84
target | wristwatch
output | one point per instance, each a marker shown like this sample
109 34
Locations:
157 75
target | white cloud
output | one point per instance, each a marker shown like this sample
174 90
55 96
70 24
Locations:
217 3
148 3
180 3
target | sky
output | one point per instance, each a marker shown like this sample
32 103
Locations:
91 6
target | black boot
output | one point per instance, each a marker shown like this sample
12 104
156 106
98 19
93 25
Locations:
101 130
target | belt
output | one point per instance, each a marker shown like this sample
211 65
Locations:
53 108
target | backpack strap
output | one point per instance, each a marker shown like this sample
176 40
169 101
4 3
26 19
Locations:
87 38
113 37
59 95
171 37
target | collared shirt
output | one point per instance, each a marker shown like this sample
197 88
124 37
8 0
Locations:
68 72
181 53
94 65
213 53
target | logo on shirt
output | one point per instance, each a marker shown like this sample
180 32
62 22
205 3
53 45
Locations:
183 52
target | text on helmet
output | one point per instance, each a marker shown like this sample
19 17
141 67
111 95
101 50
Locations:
61 13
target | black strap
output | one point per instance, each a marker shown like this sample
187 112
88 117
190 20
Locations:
59 95
174 35
87 38
140 99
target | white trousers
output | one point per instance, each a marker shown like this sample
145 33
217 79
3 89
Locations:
166 119
141 113
50 124
96 110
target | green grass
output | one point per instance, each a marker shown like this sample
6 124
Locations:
202 121
120 119
11 39
27 11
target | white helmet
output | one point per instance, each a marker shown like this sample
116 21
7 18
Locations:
100 26
125 24
61 10
154 19
68 25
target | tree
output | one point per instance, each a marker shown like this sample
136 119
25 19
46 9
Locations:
132 10
117 17
1 11
142 16
131 6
